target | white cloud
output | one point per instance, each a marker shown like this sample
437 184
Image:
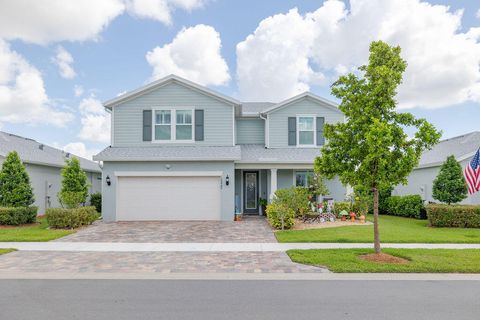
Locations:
80 149
160 10
64 60
77 90
194 54
22 92
443 61
56 20
478 14
95 121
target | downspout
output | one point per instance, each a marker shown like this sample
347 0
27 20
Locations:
266 130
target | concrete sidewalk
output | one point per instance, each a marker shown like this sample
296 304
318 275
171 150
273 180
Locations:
211 247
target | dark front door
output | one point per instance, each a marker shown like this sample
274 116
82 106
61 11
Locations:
250 192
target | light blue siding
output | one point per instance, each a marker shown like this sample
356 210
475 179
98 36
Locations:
250 131
127 116
278 120
284 178
109 192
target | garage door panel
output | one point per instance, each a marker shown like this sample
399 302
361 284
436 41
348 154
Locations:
168 198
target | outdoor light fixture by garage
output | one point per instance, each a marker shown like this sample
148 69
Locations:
107 180
227 180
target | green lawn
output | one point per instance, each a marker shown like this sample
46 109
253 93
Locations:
392 229
36 232
3 251
421 260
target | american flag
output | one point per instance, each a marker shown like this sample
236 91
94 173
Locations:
472 173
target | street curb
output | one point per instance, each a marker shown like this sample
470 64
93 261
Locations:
241 276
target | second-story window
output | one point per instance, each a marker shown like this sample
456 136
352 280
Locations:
184 125
306 130
163 126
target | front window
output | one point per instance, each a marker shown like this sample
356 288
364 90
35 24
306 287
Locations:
302 178
306 130
163 127
184 125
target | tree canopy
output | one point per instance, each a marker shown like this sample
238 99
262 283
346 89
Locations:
449 185
15 187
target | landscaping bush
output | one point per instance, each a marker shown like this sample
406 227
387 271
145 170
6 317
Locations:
70 218
74 189
340 206
96 201
280 216
454 216
295 198
406 206
15 187
449 185
18 215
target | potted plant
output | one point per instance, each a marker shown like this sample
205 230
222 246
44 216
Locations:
263 204
343 215
238 217
353 215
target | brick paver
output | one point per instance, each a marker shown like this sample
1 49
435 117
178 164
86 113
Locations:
164 262
251 229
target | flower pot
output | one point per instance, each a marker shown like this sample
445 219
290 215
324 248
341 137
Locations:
238 217
362 218
344 218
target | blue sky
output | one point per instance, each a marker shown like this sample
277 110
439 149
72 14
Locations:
286 52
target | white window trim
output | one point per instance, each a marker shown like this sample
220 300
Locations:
314 130
173 125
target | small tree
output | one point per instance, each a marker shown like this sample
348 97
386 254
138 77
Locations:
74 189
371 147
15 187
449 185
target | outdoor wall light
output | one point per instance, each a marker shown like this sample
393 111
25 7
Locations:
107 180
227 180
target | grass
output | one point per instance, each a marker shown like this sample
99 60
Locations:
34 232
392 229
3 251
421 260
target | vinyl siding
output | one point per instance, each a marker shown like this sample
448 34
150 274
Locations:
127 126
278 120
250 131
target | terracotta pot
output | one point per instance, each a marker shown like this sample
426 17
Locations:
238 217
344 218
362 219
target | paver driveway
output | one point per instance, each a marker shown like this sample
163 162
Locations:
251 229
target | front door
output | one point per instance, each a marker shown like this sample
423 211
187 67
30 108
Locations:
250 192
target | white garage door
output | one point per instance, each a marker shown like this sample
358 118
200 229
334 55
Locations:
168 198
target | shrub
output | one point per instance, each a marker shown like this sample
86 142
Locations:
449 185
455 216
18 215
406 206
364 194
96 201
74 189
15 188
70 218
280 216
340 206
295 198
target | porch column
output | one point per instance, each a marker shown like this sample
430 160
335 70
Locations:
273 182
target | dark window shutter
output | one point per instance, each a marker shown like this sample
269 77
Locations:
147 125
320 137
199 127
292 131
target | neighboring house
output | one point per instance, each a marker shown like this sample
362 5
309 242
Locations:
421 179
43 165
181 151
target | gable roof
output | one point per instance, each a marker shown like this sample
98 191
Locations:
31 151
166 80
462 147
252 109
329 104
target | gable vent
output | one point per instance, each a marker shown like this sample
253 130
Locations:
40 146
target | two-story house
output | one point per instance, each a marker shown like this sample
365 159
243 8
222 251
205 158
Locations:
181 151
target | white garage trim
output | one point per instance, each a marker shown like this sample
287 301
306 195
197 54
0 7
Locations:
168 173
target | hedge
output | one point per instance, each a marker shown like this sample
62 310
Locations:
455 216
70 218
18 215
406 206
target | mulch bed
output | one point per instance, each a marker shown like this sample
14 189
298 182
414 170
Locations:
383 258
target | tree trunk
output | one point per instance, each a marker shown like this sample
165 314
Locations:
376 234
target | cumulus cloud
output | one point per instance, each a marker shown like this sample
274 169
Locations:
80 149
64 60
443 61
77 90
195 54
22 92
161 10
95 121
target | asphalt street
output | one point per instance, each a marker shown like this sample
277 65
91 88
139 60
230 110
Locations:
232 299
